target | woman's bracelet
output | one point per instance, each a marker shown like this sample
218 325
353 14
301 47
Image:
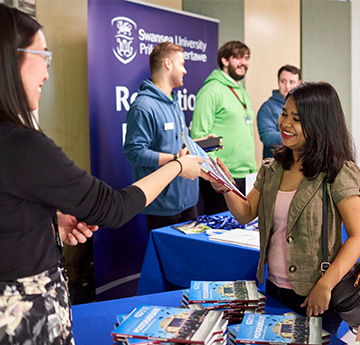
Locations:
225 191
181 166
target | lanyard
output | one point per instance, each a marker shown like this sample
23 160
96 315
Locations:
59 244
243 104
248 119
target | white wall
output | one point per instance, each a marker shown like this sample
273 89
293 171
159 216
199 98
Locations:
355 74
326 46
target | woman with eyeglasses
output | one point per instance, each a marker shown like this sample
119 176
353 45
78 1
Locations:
36 180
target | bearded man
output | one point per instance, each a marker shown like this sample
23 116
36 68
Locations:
224 107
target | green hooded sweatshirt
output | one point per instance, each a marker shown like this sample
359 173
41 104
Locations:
219 111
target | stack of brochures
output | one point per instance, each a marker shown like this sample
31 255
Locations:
149 324
233 331
324 334
280 329
233 298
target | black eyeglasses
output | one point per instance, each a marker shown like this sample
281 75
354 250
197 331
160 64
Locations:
47 54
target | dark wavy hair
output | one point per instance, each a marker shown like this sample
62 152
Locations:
328 141
231 49
17 30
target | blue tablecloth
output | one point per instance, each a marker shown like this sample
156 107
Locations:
173 258
94 322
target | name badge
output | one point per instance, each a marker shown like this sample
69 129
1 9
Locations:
169 126
248 120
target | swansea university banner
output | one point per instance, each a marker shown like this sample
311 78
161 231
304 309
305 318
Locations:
121 36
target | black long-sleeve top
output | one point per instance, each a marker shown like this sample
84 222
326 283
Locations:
36 179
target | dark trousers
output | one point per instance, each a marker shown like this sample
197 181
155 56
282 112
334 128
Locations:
155 222
215 202
330 320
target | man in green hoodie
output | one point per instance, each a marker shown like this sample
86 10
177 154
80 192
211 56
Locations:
223 107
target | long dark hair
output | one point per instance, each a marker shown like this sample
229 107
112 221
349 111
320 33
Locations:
17 30
328 141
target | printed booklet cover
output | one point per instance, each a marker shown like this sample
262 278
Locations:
209 166
169 324
280 329
222 291
324 334
258 305
131 341
192 227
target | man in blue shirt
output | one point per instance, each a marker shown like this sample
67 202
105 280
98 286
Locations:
153 138
267 117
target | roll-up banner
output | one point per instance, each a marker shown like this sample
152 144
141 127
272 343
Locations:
121 36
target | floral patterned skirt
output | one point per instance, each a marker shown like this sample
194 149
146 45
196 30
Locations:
35 310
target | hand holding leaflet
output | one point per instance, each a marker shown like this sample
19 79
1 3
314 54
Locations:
209 166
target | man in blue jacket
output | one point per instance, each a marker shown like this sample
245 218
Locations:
153 138
267 117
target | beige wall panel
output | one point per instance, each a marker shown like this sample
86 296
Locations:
176 4
63 109
272 32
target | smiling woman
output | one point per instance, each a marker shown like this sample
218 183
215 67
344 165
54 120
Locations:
290 127
34 68
287 199
47 55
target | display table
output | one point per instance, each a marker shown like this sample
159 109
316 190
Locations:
94 322
174 259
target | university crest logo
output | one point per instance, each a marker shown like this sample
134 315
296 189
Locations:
123 50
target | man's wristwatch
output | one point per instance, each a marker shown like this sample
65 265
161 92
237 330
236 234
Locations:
175 156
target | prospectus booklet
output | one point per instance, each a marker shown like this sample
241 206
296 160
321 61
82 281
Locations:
222 291
209 166
169 324
192 227
280 329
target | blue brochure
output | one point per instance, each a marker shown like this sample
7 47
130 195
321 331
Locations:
209 166
169 324
223 291
280 329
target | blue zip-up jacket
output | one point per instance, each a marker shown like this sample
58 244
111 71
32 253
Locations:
267 122
154 124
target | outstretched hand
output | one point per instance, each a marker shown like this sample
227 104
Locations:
190 166
72 231
219 187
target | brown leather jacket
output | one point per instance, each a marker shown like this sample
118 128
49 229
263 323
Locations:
303 232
